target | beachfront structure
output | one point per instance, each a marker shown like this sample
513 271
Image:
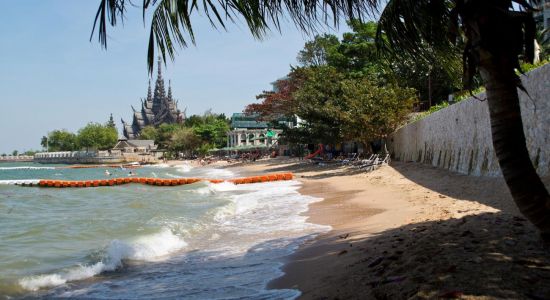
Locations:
247 130
543 13
159 107
135 146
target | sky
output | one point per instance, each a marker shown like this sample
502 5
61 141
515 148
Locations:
52 76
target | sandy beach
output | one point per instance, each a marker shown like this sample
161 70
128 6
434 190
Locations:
410 231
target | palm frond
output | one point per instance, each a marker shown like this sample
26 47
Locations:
171 23
416 28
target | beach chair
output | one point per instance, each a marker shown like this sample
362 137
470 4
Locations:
351 159
366 162
376 163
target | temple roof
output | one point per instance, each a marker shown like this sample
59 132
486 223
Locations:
157 108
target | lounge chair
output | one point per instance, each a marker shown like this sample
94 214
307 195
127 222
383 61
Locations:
351 159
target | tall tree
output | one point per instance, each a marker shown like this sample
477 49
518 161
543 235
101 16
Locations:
61 140
495 36
111 122
97 136
315 52
184 140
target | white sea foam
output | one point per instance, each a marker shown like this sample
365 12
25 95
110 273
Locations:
19 182
183 168
267 207
219 173
153 247
160 166
173 175
27 168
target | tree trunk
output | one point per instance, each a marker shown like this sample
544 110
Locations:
526 187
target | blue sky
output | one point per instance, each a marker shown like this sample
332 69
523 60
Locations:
52 77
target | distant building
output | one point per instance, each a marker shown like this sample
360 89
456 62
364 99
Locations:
157 109
247 130
543 15
135 146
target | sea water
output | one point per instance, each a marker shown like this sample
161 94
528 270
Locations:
197 241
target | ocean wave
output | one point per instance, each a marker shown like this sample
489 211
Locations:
152 247
183 168
160 166
173 175
267 207
218 173
19 181
26 168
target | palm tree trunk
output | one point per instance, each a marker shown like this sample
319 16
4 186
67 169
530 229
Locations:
526 187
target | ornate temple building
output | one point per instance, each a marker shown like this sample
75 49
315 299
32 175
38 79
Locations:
158 108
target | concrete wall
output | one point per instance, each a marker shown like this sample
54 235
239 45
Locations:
458 138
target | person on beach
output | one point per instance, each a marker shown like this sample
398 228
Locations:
131 173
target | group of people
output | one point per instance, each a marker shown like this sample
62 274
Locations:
107 173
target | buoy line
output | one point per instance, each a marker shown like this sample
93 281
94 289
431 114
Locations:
143 180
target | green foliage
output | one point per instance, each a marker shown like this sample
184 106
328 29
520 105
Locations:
432 109
30 152
149 133
337 108
97 136
316 52
14 152
44 142
319 105
467 94
356 55
211 128
526 67
61 140
164 134
111 122
204 148
184 139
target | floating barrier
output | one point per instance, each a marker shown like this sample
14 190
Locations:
23 182
143 180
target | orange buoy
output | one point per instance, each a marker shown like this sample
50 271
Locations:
160 181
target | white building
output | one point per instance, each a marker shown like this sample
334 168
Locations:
246 130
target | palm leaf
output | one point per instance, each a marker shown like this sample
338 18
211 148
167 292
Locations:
171 23
418 29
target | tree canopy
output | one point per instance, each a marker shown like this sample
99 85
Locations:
60 140
97 136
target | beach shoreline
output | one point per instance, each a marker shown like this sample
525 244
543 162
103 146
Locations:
469 227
